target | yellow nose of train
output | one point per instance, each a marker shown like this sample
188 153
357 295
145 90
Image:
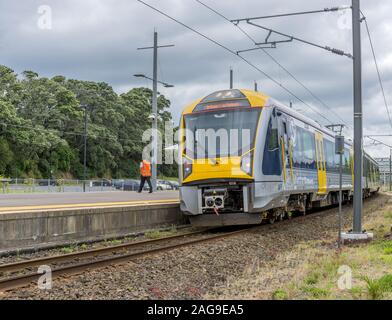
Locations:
223 110
220 168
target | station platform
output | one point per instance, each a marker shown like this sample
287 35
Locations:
35 221
52 201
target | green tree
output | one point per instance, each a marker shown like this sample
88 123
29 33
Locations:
42 127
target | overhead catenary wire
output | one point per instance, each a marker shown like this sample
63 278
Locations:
235 54
378 142
333 9
377 69
274 60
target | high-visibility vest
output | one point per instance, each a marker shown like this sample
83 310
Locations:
145 168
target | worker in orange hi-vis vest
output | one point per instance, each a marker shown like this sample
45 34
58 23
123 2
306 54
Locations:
145 175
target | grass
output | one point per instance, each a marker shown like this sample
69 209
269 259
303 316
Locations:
315 269
74 248
315 292
382 251
356 292
115 242
386 282
388 250
112 242
156 234
67 250
280 295
377 288
370 265
386 245
313 278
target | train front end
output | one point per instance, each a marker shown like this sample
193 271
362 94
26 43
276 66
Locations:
217 151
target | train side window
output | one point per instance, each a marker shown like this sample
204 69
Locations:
329 151
309 149
297 148
346 162
272 158
373 175
364 168
337 161
273 140
370 171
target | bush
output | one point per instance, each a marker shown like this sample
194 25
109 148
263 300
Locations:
378 287
386 283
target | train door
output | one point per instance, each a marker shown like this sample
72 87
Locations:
284 143
291 133
321 167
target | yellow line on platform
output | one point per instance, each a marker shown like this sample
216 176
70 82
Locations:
89 205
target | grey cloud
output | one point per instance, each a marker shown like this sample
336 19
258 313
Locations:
97 40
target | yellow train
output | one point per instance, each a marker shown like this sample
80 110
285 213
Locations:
246 158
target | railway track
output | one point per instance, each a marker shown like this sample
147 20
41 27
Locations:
102 257
107 256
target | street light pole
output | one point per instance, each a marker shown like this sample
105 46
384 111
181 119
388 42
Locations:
358 133
339 149
154 152
85 150
155 114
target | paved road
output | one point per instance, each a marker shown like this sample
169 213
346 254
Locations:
73 199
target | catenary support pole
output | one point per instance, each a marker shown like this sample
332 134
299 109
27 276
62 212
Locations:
155 114
358 134
340 198
231 78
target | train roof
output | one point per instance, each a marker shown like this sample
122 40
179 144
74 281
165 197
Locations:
256 99
299 116
318 126
251 98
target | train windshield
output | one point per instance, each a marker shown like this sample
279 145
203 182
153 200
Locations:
220 133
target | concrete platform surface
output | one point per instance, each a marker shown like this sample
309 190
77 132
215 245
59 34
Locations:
34 221
54 201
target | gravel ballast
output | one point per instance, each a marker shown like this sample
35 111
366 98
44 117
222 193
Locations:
201 270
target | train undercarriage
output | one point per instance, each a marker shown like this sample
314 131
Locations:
222 205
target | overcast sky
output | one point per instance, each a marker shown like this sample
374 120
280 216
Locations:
97 40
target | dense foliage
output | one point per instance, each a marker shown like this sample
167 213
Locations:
42 126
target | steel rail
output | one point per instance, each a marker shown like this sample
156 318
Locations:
88 253
26 279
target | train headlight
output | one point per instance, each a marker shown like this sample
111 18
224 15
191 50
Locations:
187 168
210 202
218 202
246 163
